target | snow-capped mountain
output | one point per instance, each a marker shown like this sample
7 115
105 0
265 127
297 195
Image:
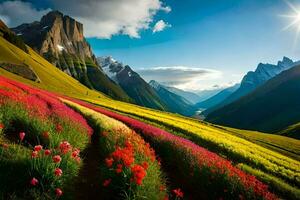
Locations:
131 82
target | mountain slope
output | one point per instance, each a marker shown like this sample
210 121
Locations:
270 108
190 96
131 82
60 40
254 79
174 102
218 98
49 77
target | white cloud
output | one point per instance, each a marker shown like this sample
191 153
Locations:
160 26
101 18
14 13
166 9
186 78
104 18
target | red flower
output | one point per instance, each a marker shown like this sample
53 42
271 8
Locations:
139 174
58 192
58 172
5 145
38 147
21 136
166 197
106 182
145 165
65 147
59 128
34 154
46 134
119 168
47 152
178 193
109 162
75 153
1 126
162 188
34 181
56 159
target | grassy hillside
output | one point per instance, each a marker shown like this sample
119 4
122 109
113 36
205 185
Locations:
291 131
50 77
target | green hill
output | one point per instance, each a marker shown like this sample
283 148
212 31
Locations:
270 108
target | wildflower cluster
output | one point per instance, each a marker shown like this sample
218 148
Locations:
122 159
63 151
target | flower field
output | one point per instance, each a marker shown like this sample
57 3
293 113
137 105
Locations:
45 142
40 142
235 148
219 178
130 164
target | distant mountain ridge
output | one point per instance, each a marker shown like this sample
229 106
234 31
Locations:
174 102
254 79
271 107
190 96
218 98
131 82
59 39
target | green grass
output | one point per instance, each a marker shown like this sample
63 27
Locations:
16 163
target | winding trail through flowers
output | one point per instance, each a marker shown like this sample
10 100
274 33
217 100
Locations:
87 185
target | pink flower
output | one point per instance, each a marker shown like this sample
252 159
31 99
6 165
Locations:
38 147
21 136
47 152
58 192
178 193
34 181
58 172
106 182
56 159
34 154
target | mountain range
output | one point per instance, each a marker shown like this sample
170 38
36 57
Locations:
271 107
254 79
131 82
217 98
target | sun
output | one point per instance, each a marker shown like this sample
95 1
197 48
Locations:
294 18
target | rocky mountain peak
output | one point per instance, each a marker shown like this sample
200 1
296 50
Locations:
286 62
54 34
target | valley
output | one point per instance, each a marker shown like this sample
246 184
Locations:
75 124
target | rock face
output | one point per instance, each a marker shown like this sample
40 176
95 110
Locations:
60 40
131 82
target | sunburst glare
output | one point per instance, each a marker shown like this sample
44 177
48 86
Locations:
294 18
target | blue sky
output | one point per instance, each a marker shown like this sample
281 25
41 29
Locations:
225 37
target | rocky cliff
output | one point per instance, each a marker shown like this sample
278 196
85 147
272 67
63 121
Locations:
60 39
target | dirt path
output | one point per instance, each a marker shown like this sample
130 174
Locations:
88 185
